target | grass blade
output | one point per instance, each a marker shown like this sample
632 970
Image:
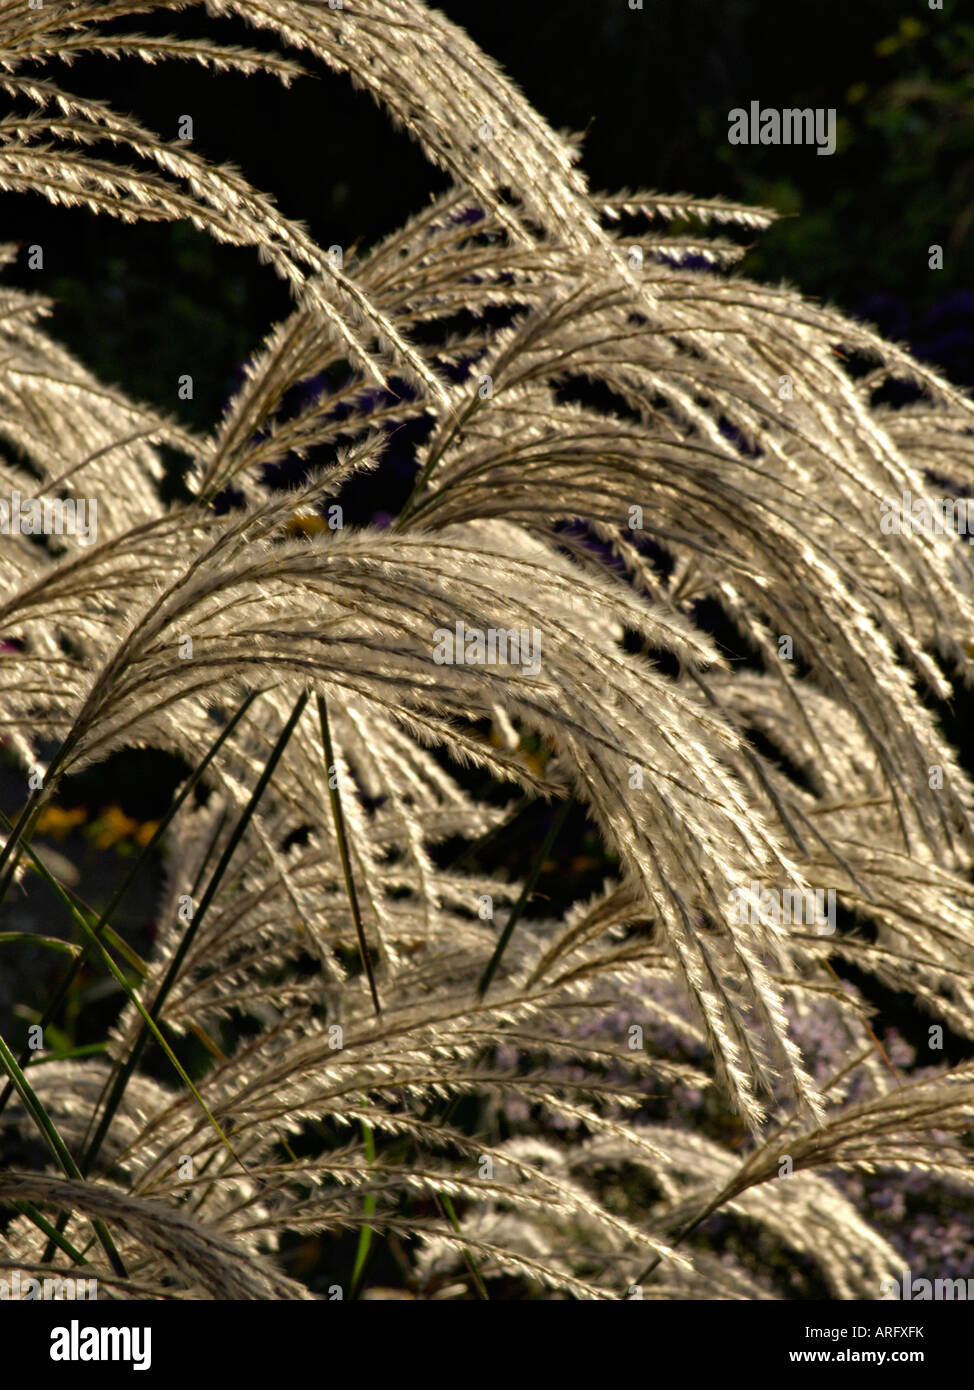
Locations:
553 832
336 809
47 1127
125 1072
101 927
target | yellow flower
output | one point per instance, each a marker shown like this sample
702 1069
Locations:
113 825
146 831
305 524
56 821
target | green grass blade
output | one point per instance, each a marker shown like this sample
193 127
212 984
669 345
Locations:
149 1022
126 1070
554 831
43 1225
339 818
472 1265
365 1234
47 1127
49 943
101 927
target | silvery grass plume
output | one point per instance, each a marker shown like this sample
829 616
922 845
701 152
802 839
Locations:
308 665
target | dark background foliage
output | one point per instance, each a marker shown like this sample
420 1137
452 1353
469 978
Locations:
649 89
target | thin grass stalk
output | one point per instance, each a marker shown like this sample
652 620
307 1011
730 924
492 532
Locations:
149 1022
126 1071
47 1127
554 830
339 818
64 988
